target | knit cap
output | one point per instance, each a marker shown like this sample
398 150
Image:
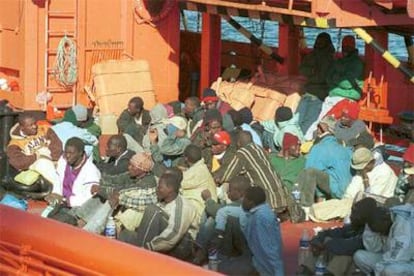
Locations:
246 115
81 113
283 114
289 140
222 137
142 161
209 95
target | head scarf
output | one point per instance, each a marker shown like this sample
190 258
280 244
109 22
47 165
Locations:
142 161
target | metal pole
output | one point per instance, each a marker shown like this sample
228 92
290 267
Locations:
385 53
266 49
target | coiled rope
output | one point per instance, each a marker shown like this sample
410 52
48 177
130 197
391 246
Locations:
66 70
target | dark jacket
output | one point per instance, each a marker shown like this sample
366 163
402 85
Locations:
126 124
119 166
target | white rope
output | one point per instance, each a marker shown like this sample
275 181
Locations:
66 70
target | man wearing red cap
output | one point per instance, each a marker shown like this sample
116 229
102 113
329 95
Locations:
348 126
288 163
222 150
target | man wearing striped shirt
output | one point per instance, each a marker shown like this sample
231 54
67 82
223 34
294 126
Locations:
251 160
170 225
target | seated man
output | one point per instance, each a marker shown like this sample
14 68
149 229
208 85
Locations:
170 225
34 147
251 160
211 101
288 163
242 120
339 244
196 179
134 120
283 122
327 168
194 114
211 123
348 126
215 231
133 190
118 154
221 151
73 125
262 231
173 146
159 116
377 181
395 256
77 174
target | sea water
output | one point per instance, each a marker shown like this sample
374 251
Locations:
267 31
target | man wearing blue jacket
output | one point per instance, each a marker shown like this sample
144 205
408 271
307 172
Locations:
327 170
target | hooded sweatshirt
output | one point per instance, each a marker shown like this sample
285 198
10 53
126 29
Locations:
290 126
22 149
158 114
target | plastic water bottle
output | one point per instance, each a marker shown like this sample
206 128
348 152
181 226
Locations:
347 219
296 193
320 266
110 228
213 260
304 247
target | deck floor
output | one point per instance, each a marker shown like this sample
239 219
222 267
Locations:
291 234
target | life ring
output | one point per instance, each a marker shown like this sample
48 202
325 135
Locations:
152 12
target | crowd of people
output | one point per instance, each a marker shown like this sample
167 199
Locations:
197 178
